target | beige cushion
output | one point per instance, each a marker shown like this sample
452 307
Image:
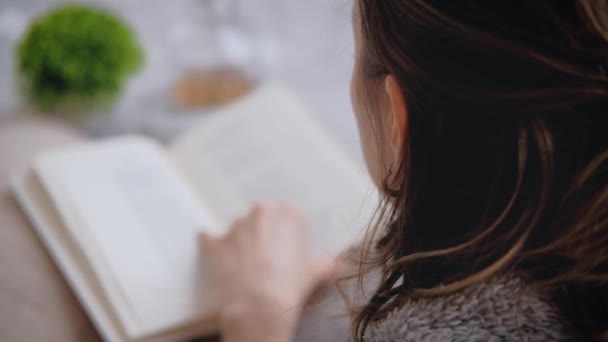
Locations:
35 302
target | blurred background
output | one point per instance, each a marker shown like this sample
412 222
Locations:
187 45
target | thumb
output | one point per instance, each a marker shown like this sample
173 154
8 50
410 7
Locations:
207 242
324 270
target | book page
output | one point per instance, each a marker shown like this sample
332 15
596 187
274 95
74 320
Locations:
35 202
136 220
268 148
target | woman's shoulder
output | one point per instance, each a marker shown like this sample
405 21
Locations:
501 309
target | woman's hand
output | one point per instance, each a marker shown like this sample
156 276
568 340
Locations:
265 272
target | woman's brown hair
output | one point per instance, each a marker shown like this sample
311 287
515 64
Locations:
506 163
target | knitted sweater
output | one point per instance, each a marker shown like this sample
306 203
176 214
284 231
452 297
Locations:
498 310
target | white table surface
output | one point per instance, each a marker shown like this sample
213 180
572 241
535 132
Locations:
307 44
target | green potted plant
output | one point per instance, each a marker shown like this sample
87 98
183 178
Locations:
75 59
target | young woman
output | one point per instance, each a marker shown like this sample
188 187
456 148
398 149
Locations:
485 126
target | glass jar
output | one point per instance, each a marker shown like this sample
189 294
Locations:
219 62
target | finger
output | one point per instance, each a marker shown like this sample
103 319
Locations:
324 270
290 210
207 242
235 227
345 269
261 208
325 273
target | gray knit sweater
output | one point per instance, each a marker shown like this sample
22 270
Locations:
499 310
502 309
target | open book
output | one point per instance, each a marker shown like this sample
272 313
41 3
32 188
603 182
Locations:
121 216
